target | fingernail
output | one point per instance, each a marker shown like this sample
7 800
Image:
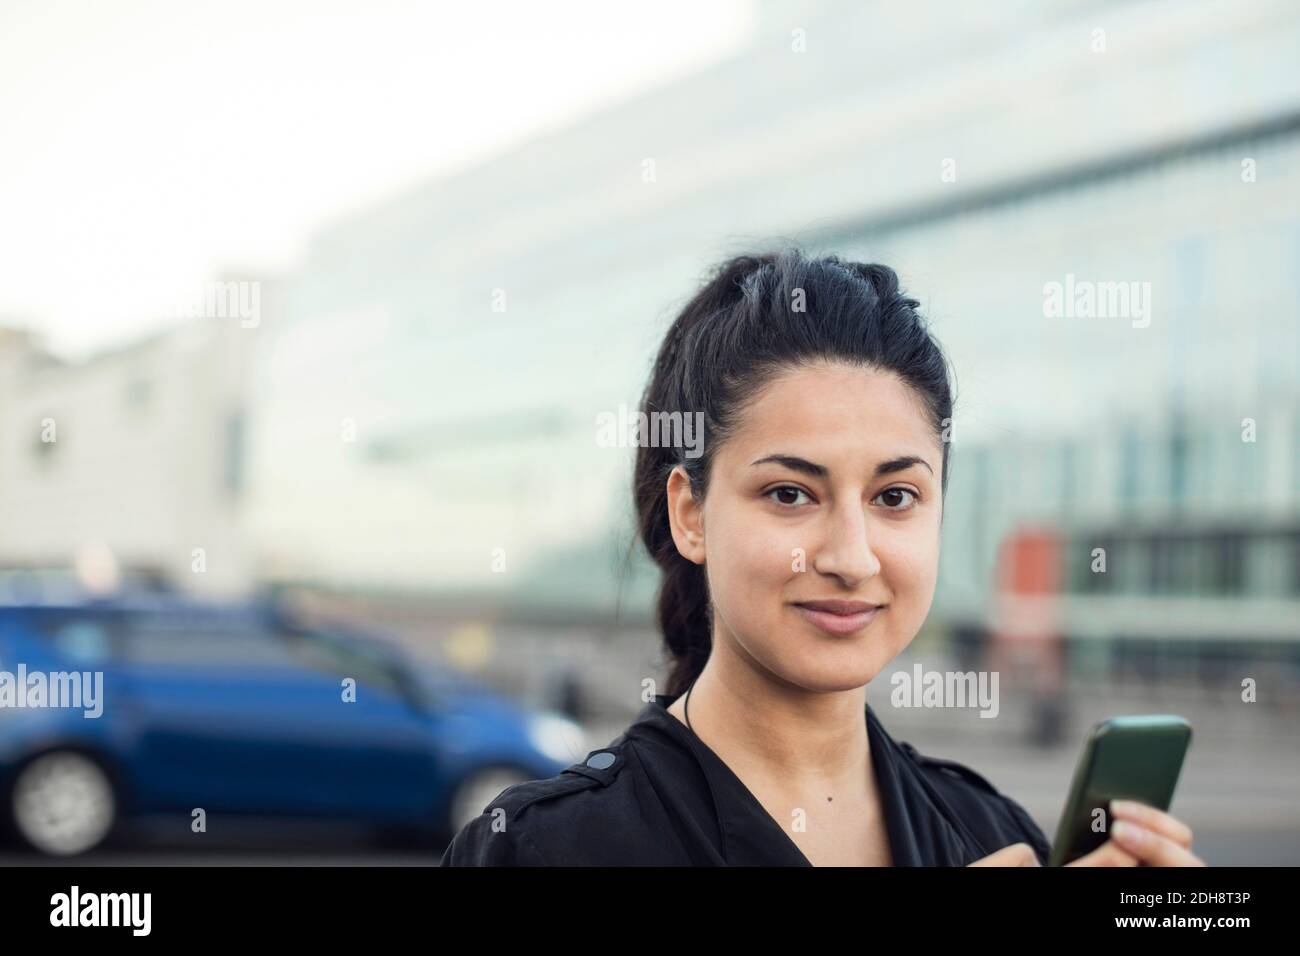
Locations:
1127 832
1123 806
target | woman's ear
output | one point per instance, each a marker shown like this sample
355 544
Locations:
685 517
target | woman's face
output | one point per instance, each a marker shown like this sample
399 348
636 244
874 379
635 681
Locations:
828 490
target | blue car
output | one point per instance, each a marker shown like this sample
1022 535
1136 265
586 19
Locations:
212 715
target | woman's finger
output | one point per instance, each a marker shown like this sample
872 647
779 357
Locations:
1152 819
1108 854
1017 854
1150 847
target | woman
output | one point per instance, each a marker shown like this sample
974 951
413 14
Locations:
799 549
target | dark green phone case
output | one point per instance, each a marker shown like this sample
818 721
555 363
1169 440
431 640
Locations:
1128 758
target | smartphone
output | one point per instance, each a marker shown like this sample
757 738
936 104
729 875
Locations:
1126 758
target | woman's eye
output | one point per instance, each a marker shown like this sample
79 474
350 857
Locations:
787 495
900 491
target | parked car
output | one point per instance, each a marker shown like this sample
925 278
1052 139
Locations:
236 713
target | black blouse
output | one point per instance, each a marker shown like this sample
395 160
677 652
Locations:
658 796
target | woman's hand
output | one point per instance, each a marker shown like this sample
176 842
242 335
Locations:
1139 836
1018 854
1142 836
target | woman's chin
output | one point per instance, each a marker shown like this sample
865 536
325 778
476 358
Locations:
831 676
824 664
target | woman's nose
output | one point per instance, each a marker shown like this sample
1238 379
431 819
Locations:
846 551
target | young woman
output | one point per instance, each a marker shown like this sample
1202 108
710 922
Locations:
799 549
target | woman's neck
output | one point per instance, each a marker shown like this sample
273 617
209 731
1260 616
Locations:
771 729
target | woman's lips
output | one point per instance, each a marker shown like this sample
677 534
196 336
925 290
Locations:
839 617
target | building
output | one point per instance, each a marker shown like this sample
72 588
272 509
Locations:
137 453
427 406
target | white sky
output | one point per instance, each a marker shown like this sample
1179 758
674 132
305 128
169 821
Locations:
146 146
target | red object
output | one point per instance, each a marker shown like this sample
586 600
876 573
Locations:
1027 636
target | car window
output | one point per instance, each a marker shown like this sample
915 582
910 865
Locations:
82 639
184 639
341 657
162 638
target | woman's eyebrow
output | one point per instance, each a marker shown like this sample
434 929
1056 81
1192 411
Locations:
795 463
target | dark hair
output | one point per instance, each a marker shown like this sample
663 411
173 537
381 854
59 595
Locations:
743 326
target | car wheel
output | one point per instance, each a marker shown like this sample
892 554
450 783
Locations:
62 803
479 789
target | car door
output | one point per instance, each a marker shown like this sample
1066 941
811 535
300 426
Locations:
236 715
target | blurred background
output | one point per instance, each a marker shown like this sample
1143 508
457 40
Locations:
310 313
